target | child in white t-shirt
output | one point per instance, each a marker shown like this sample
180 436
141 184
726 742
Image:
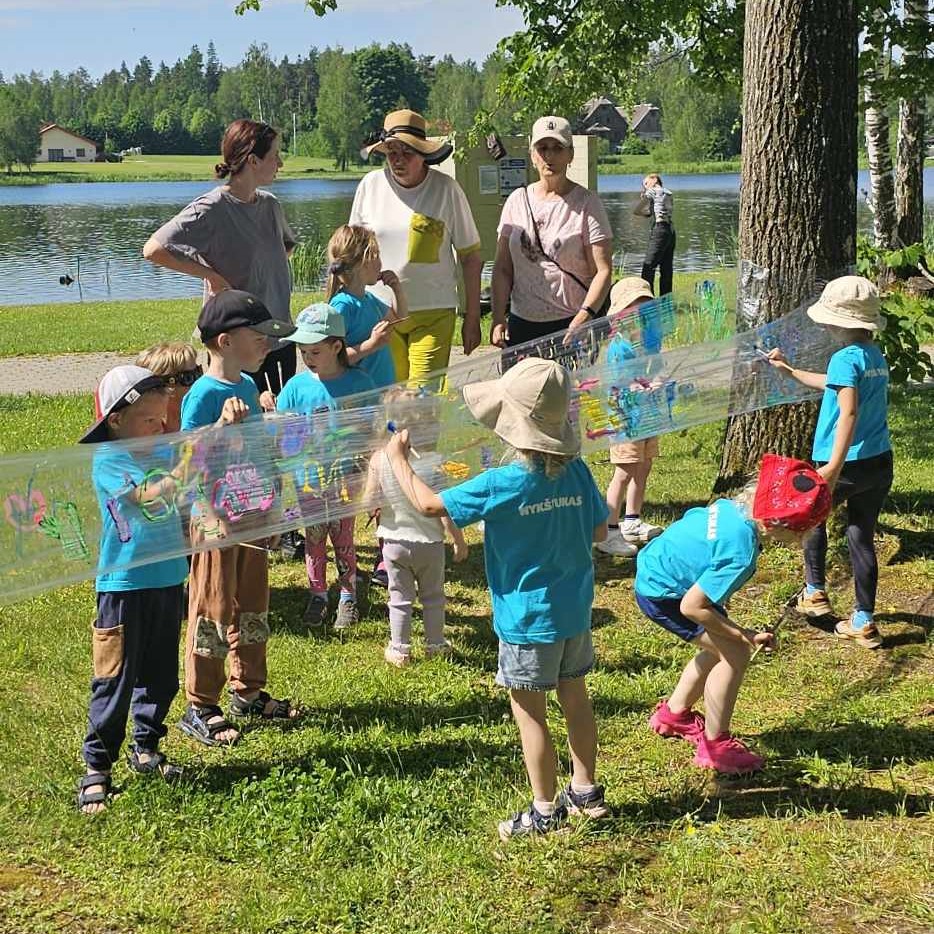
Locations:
412 544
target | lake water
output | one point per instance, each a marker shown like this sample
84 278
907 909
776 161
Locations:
48 231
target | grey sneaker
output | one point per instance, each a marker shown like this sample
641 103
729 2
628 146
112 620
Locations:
436 649
640 534
614 544
347 614
530 823
591 803
315 611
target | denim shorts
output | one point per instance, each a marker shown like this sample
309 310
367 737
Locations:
539 666
667 613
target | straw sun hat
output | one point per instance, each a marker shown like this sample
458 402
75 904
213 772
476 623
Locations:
528 407
408 127
848 302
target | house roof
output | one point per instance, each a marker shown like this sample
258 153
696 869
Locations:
55 126
594 104
639 113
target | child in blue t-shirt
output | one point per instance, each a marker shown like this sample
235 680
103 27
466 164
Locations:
353 254
851 448
542 514
685 577
321 338
139 608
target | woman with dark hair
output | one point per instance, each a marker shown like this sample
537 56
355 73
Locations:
236 236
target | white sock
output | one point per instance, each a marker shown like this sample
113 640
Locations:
581 789
545 808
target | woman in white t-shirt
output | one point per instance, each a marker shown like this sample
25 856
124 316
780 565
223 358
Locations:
424 228
554 254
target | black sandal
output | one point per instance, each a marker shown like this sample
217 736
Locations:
195 723
241 707
85 797
158 763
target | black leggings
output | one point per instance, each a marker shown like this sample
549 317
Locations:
284 360
660 253
863 486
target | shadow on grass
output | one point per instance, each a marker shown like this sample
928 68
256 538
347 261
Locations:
911 544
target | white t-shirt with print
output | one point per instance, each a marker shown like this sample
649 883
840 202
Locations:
419 231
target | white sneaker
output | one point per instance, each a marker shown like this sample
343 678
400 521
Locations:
438 649
615 544
396 657
640 534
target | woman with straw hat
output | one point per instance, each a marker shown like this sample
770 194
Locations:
425 229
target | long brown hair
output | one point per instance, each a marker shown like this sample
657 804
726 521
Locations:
349 246
242 139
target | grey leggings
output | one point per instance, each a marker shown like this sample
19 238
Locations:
863 486
413 566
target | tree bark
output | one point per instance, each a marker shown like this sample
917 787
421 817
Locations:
909 170
798 188
878 149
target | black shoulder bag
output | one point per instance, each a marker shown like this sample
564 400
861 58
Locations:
605 306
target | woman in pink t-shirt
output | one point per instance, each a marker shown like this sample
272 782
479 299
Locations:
554 255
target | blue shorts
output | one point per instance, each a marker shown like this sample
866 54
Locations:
667 613
539 666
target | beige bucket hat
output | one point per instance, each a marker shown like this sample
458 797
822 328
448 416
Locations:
627 291
848 302
528 407
408 127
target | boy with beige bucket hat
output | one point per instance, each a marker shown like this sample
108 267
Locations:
542 513
851 448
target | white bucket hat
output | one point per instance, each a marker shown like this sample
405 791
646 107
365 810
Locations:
848 302
528 407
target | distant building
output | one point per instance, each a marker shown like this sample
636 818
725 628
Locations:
601 117
646 123
60 145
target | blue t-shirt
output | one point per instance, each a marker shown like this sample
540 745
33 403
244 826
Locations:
205 400
306 393
130 533
861 366
361 315
715 547
538 540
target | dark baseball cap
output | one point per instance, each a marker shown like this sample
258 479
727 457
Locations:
233 309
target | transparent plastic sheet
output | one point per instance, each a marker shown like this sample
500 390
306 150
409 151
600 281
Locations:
175 494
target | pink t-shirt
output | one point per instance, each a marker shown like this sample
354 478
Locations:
567 227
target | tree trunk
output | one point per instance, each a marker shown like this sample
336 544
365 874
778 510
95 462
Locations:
878 150
909 170
798 191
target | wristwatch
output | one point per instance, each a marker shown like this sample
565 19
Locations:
590 312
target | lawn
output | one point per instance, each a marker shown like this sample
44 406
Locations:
377 812
128 326
147 168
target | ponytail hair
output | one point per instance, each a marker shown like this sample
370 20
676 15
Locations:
242 139
349 246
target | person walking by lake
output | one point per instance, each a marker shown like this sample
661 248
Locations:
425 229
554 255
236 236
656 202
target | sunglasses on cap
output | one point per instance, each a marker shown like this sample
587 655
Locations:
184 378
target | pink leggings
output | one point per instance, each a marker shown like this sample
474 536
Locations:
340 531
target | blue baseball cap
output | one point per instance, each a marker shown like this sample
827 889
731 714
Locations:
317 323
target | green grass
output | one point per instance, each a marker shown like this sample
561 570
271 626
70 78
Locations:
86 327
148 168
641 165
378 812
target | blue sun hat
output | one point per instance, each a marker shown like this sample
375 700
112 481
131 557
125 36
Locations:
317 323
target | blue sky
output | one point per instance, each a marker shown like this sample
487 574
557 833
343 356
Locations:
43 35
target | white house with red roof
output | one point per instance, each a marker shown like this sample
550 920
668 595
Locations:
60 145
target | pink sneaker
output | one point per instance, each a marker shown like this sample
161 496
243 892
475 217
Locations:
726 754
687 724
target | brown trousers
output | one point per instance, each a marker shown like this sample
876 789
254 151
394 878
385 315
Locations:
228 604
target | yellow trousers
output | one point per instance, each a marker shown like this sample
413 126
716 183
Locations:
421 344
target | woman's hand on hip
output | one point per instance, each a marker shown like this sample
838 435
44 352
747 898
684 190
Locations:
470 334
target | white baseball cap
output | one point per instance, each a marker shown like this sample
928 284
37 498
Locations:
120 387
552 128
